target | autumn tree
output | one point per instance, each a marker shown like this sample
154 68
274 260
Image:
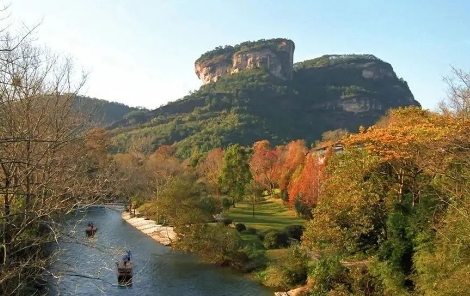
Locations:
263 164
291 158
306 187
209 169
131 170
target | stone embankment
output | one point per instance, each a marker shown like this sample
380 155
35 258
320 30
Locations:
162 234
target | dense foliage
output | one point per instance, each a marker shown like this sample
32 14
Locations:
387 209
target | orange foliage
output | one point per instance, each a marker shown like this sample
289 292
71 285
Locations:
263 164
404 133
291 158
307 182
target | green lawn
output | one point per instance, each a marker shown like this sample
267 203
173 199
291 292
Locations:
270 213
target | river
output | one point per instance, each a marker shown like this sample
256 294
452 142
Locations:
86 266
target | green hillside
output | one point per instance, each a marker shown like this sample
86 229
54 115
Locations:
105 112
326 93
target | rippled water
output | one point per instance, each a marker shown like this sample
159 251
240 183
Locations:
87 266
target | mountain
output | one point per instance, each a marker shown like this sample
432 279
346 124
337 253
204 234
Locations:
105 112
253 91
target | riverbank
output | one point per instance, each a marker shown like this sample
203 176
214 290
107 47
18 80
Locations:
162 234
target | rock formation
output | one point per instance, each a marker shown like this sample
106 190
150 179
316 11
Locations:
274 55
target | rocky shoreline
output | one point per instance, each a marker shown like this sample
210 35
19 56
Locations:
162 234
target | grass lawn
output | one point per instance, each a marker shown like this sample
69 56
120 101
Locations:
270 213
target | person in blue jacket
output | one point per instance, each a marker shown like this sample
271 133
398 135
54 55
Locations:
126 258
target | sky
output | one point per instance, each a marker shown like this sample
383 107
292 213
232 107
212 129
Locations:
142 52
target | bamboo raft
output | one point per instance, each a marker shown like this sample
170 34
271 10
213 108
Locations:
91 230
124 273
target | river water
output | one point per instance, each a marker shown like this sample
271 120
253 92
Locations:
86 266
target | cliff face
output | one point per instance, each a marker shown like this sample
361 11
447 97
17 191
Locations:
352 83
275 55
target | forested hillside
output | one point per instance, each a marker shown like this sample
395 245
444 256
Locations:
328 93
105 112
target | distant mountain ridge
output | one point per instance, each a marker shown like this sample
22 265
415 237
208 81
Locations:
253 102
106 113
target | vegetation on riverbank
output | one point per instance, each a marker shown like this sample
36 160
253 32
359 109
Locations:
378 212
384 216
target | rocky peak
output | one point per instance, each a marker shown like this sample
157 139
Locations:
274 55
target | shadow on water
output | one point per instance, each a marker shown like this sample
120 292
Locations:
86 266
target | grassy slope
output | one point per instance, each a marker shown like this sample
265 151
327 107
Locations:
270 213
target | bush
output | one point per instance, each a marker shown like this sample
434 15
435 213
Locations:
226 203
214 244
294 231
226 221
284 195
240 227
275 239
289 270
329 274
211 205
302 209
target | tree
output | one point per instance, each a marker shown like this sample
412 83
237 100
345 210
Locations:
48 163
235 174
291 160
254 193
307 184
160 168
180 203
209 170
334 135
262 164
458 94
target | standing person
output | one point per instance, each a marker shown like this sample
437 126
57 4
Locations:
125 259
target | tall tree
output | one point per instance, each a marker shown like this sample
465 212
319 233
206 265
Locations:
209 170
308 183
263 164
291 158
235 175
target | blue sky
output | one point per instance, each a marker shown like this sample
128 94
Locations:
142 52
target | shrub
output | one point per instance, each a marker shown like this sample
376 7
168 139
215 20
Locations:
226 221
226 203
275 239
213 244
211 205
302 209
240 227
289 270
329 274
261 234
294 231
284 195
